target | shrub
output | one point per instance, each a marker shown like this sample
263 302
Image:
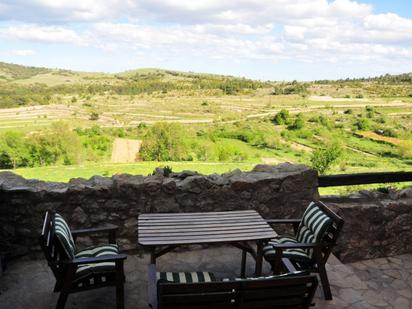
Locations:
362 124
323 158
405 149
298 124
94 116
281 117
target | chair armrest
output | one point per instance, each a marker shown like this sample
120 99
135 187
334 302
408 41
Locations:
111 230
300 245
94 260
152 286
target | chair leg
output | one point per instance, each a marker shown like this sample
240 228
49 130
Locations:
120 279
119 296
325 282
62 300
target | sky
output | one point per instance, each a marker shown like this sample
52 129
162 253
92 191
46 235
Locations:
260 39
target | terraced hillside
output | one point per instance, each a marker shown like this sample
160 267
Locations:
222 119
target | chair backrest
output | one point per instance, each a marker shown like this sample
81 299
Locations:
282 292
51 245
333 231
319 225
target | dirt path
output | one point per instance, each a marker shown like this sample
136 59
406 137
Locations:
125 150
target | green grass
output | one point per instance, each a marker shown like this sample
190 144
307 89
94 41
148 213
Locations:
345 190
65 173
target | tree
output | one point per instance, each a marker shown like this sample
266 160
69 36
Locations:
323 158
13 150
164 142
57 145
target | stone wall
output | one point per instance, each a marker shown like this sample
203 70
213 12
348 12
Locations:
274 191
376 224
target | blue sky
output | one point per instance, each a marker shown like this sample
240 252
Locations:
262 39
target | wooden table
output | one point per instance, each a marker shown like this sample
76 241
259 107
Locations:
163 232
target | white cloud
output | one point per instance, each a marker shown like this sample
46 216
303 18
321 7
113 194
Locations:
23 52
36 33
309 31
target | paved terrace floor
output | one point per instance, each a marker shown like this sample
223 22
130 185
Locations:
379 283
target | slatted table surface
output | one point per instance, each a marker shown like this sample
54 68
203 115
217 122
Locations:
206 227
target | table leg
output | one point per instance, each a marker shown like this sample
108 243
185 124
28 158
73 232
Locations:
259 258
243 266
153 255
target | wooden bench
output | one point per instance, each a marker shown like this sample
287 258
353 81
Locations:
295 291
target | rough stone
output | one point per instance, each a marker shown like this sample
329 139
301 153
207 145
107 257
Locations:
274 191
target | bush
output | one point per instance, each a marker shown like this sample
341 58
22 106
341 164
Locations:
323 158
298 124
405 149
282 117
94 116
362 124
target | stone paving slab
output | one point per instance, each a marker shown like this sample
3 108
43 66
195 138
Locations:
369 284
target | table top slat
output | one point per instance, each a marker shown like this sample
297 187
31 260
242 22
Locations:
188 214
204 240
155 229
201 218
202 232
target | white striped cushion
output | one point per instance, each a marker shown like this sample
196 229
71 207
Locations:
316 221
269 250
186 277
62 231
86 269
313 226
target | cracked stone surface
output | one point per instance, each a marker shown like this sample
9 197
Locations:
379 283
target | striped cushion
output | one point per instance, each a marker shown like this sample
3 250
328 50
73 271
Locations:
186 277
86 269
269 250
313 226
315 220
62 231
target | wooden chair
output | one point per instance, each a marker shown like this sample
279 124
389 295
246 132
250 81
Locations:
77 271
315 235
273 292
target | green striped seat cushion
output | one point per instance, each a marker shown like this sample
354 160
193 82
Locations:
87 269
186 277
313 226
62 231
269 250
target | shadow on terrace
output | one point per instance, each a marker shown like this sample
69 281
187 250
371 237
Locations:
374 245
